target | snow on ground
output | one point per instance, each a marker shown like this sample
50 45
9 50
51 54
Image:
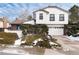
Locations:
17 42
13 51
68 48
73 38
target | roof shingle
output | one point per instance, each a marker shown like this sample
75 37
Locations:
18 21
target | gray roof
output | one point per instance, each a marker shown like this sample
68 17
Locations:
42 10
51 7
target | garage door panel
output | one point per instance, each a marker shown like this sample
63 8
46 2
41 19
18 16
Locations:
56 31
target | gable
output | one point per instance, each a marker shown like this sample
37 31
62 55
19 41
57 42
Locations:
55 11
55 7
51 8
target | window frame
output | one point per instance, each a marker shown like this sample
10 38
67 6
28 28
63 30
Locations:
52 17
34 15
61 17
41 16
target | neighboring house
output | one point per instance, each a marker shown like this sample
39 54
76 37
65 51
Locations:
16 24
54 17
4 24
15 27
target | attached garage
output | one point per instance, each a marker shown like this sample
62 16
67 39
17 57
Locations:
56 31
54 17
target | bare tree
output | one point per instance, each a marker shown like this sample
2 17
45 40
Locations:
24 15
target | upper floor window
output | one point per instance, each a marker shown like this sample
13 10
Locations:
61 17
41 16
52 17
34 15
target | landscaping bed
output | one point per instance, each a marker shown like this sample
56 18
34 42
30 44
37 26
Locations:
36 40
29 39
7 38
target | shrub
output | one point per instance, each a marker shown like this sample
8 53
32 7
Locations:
42 28
71 29
75 35
29 39
25 28
8 38
44 43
34 29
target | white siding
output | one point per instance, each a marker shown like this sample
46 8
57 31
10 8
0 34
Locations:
46 19
55 27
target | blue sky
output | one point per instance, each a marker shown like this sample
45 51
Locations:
13 10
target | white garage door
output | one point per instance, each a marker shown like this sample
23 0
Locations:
56 31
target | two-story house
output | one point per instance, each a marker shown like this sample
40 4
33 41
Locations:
54 17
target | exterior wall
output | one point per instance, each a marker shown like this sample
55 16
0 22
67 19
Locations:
1 24
4 25
55 27
46 19
15 26
8 25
